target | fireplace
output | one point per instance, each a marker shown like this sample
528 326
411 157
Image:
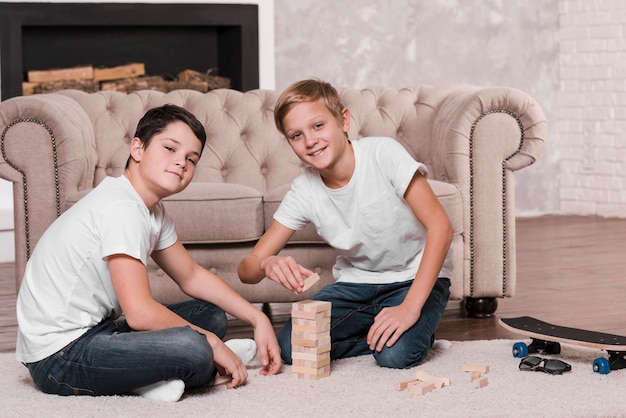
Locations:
167 38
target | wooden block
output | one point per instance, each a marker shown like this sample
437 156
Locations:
321 325
443 381
420 388
314 316
310 281
311 306
219 380
439 382
306 376
311 309
75 73
476 375
404 384
479 383
424 377
310 350
313 371
320 342
122 71
475 368
310 356
312 364
309 335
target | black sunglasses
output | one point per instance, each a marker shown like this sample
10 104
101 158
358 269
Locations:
544 365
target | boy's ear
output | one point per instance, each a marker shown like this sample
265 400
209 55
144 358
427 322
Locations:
136 149
345 115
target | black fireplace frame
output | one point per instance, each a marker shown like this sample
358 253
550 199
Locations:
235 25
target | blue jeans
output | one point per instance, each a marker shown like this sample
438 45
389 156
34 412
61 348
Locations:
354 307
113 359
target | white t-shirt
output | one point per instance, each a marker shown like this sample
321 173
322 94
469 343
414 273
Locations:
377 235
67 289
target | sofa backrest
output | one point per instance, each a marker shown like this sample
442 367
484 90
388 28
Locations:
243 145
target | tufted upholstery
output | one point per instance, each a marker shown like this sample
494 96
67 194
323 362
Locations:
56 147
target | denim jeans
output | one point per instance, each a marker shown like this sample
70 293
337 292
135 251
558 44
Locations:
113 359
354 307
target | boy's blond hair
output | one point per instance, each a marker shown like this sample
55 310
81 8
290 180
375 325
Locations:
309 90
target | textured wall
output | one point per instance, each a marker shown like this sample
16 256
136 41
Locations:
591 125
360 43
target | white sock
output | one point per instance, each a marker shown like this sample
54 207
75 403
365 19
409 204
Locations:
244 348
165 391
441 344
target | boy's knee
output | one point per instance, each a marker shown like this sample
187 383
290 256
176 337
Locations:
194 347
196 357
401 355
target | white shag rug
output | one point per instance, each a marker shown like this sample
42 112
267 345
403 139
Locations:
357 387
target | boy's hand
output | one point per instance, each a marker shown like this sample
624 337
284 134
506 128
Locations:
228 362
286 272
389 325
267 345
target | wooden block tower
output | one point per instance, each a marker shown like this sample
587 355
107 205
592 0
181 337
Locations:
310 339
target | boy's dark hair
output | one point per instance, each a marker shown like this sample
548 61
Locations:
309 90
156 120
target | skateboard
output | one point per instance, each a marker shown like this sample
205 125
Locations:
546 338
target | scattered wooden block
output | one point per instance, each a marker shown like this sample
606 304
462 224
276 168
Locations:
480 382
420 388
477 379
404 384
439 382
423 383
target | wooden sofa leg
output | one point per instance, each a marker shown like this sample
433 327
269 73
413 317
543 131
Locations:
267 310
480 307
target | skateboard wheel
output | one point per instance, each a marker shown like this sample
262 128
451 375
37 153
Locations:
601 365
520 350
553 348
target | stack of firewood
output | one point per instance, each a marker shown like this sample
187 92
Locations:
124 78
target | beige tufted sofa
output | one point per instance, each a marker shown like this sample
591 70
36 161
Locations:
56 147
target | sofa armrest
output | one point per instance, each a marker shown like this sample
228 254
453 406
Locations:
48 152
480 137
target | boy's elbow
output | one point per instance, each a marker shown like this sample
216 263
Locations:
448 232
245 275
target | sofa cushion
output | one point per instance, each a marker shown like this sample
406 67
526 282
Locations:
216 213
271 201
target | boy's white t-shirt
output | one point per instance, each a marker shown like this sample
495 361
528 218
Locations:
377 235
66 289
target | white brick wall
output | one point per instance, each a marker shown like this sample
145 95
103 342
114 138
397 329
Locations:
591 125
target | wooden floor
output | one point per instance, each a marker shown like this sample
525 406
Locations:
570 270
